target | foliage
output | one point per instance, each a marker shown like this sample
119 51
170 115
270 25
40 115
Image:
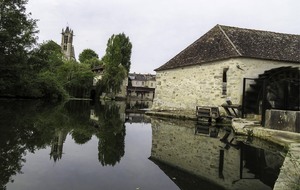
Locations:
118 51
38 72
87 54
77 78
17 37
112 79
94 62
47 57
117 63
50 87
43 81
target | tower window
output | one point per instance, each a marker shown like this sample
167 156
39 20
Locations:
65 47
65 39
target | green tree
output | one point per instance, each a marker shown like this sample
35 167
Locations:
17 37
116 62
77 78
87 54
43 81
94 62
118 51
47 56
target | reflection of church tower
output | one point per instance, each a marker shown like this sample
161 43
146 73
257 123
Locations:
57 145
67 44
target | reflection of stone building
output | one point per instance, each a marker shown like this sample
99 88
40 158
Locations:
135 111
175 144
57 145
132 117
141 86
67 44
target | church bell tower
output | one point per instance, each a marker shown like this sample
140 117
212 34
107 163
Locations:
67 44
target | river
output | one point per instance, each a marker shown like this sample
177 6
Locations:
111 145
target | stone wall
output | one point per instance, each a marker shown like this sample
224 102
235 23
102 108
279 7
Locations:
283 120
185 88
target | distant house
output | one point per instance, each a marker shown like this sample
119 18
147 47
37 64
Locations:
211 70
99 72
141 86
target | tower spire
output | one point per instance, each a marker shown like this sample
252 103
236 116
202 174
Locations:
67 44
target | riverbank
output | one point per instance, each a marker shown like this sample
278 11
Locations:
176 114
289 177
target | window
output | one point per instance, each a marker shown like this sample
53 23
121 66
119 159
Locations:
65 39
224 84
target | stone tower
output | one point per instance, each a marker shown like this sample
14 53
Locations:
67 44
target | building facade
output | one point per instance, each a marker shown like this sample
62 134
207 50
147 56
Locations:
141 86
211 70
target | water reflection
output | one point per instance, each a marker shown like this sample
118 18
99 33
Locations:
135 111
19 133
216 154
27 126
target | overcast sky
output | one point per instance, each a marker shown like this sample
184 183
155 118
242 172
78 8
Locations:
158 29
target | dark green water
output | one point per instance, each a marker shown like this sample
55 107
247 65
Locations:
77 145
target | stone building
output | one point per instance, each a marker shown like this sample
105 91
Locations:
141 86
211 70
67 44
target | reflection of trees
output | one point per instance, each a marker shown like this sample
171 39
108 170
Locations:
26 126
31 125
111 135
17 134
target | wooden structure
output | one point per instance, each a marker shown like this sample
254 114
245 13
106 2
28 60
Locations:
232 110
207 113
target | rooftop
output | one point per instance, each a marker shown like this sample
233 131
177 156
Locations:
223 42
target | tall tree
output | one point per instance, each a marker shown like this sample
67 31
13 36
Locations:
47 56
17 37
116 62
77 78
87 54
118 50
43 81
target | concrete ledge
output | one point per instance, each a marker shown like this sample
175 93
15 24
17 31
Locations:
283 138
289 177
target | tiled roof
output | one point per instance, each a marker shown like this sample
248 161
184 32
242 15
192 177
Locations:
141 77
223 42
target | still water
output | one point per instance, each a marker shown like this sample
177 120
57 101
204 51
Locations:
77 145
